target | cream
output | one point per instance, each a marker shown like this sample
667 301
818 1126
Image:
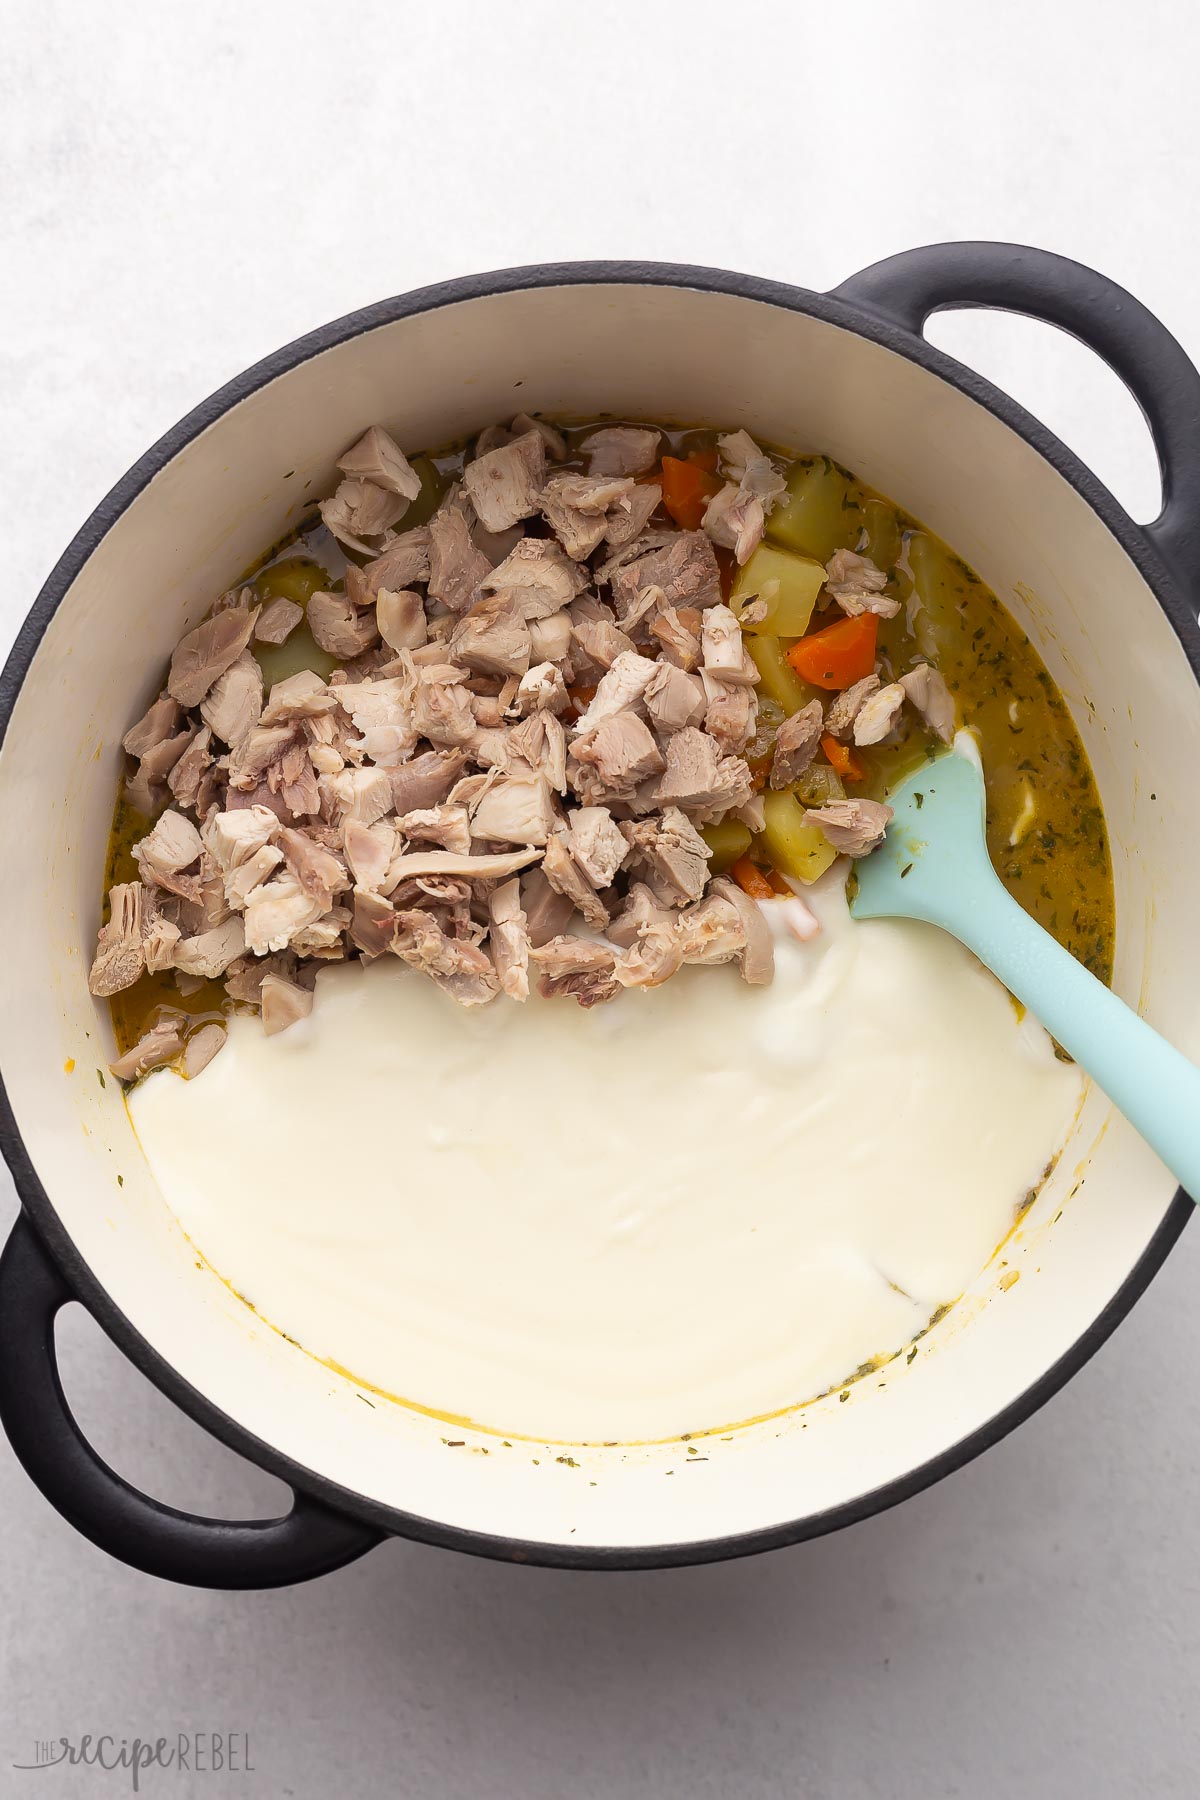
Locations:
680 1210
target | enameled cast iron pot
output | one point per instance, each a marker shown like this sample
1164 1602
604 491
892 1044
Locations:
1110 605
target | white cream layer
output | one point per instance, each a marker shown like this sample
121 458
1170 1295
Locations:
679 1210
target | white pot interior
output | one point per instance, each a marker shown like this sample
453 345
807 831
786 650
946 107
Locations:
653 352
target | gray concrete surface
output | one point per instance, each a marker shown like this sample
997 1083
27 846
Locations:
183 188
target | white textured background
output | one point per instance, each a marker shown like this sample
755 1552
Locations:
184 187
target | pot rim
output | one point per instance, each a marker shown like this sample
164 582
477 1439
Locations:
830 309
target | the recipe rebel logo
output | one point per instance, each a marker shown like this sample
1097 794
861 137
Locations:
188 1752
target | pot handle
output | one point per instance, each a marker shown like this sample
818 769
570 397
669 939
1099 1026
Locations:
907 288
177 1546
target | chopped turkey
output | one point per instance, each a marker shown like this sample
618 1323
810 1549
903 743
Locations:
539 575
448 826
621 751
680 642
161 1044
555 442
378 458
234 702
426 779
735 519
852 827
503 485
201 1047
722 648
364 794
710 931
442 706
516 809
370 851
339 627
620 689
382 713
508 939
541 742
565 876
283 1003
576 507
456 964
578 968
156 726
144 791
758 958
456 563
699 779
630 515
173 845
487 867
685 568
796 744
541 689
547 911
731 711
674 699
400 618
602 642
276 623
210 953
208 651
403 562
300 696
276 911
926 689
120 957
671 855
857 585
596 844
241 882
621 449
645 931
358 510
492 638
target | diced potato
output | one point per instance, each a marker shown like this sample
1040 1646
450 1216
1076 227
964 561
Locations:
883 534
795 847
941 582
779 681
296 578
819 514
788 584
727 839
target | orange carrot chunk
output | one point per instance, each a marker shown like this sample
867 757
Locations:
751 879
839 655
842 758
687 489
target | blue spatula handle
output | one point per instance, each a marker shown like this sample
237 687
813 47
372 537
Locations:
1156 1087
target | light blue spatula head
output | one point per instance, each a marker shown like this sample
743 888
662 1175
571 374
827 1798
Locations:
933 864
934 860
